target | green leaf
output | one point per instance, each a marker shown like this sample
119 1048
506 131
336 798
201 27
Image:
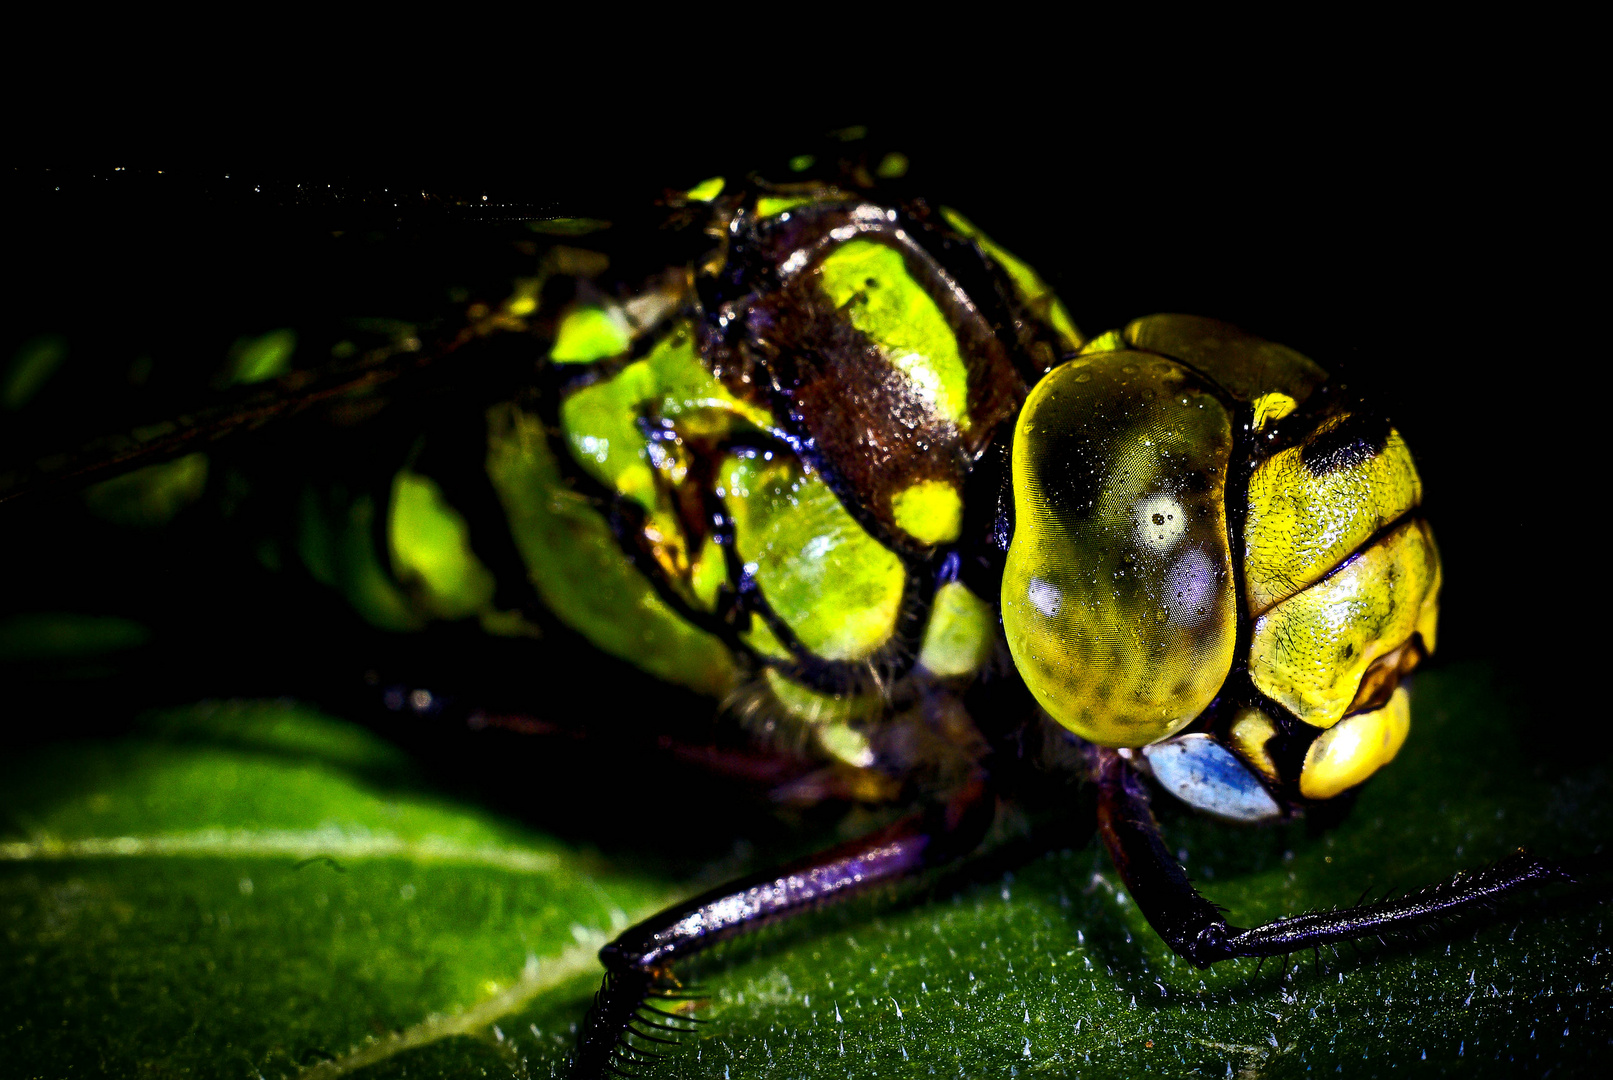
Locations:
249 888
246 889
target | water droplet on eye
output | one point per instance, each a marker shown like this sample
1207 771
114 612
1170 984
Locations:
1161 615
1084 377
1159 519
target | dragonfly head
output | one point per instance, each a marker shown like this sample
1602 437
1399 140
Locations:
1208 541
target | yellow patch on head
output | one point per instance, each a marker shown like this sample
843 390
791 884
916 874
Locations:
1251 730
1352 750
1272 407
1301 525
1244 365
1106 342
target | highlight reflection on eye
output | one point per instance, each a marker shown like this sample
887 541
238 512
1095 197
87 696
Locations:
1160 521
1191 588
1045 597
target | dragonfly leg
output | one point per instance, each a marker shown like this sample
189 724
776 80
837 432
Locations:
1195 929
639 963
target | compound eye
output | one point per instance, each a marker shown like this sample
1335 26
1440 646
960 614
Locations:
1117 598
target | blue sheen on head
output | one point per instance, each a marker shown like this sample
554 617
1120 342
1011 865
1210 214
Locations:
1208 777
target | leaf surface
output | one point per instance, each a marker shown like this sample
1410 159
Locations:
253 888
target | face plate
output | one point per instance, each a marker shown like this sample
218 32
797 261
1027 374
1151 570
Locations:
1311 652
1309 510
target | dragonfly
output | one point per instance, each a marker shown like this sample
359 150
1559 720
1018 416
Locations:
825 453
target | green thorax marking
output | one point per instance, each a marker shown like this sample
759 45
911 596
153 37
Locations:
1033 292
589 332
665 435
930 511
670 395
605 423
576 564
835 586
773 205
430 547
870 282
962 632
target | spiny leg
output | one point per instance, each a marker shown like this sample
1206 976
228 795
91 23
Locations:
639 962
1194 928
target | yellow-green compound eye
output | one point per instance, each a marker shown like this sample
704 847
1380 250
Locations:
1247 367
1117 595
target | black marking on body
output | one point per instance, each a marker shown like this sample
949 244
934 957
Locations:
746 299
1353 441
851 414
988 517
741 598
